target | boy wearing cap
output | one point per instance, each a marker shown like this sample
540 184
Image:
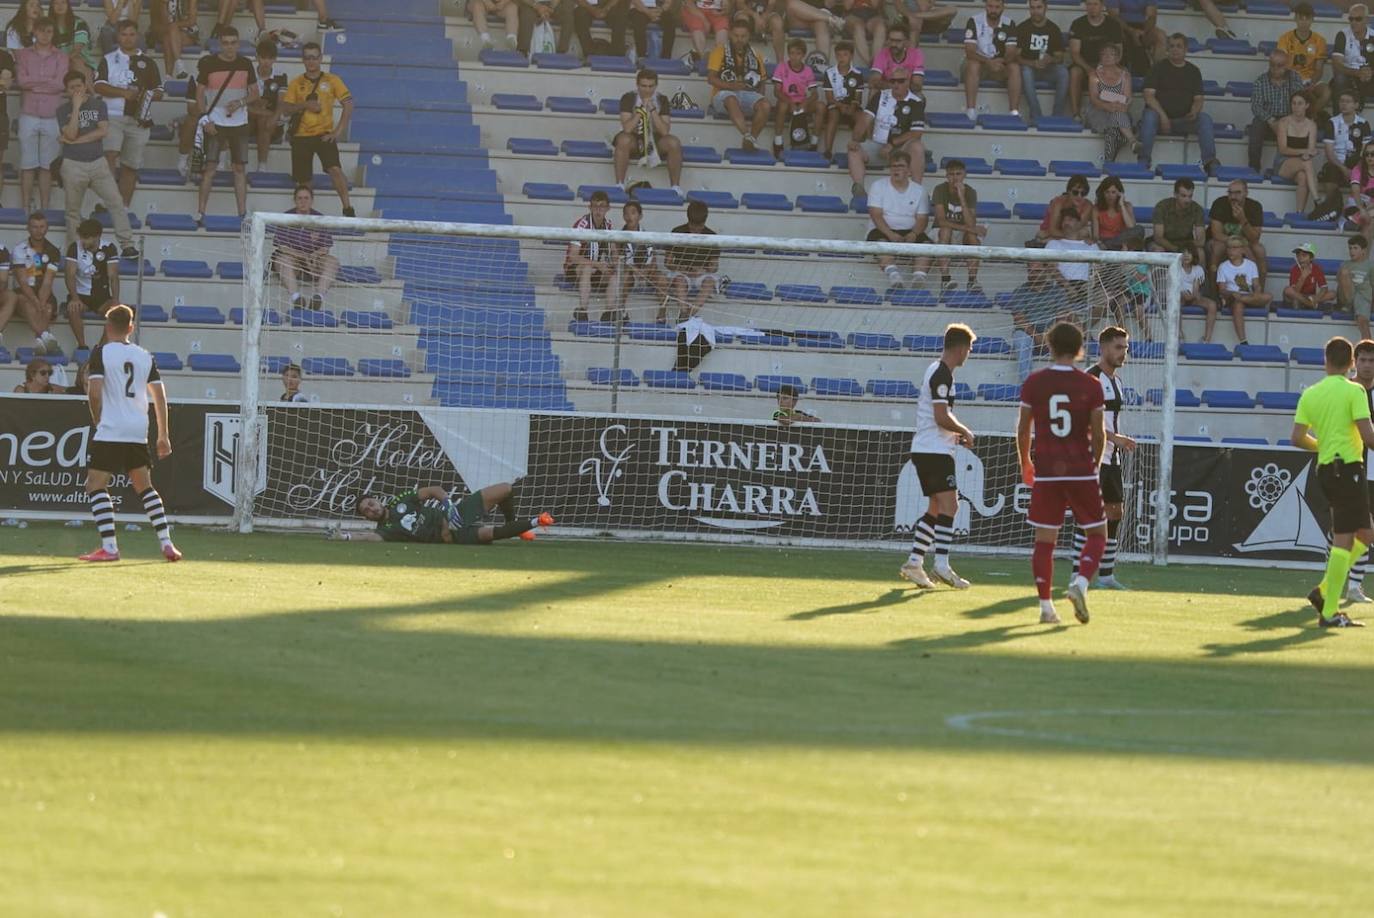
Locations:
1307 281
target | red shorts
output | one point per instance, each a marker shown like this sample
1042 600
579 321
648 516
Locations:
710 21
1049 500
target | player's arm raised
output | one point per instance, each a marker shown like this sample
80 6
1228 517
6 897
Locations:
164 433
947 421
1303 439
1097 433
1023 444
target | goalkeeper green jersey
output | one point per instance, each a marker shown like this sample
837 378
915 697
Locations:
409 519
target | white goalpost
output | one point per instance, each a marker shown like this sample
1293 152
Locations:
630 380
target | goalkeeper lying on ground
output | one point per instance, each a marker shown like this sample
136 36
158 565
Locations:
428 515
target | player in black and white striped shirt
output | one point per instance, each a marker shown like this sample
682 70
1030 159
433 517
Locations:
1113 344
122 377
938 432
1364 375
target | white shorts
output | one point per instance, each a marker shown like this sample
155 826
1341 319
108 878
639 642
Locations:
747 100
39 143
694 281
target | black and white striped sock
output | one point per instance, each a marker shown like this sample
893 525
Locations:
1080 538
152 505
103 511
925 534
944 537
1109 555
1359 569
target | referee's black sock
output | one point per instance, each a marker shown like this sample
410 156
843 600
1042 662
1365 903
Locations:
512 529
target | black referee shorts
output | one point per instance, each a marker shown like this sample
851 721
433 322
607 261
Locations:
1109 476
1345 489
935 471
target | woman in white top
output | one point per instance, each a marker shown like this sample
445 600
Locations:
1296 159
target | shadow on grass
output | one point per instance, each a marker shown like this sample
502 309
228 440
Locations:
893 597
1284 630
399 672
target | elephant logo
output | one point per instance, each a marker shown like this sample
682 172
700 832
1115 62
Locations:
968 475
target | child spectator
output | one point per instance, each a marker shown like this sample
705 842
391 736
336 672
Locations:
1346 133
638 267
1073 275
1355 283
291 384
1191 294
956 214
843 90
1238 282
800 110
588 266
1307 281
787 412
92 271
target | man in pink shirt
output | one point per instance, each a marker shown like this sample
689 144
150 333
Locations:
898 53
38 72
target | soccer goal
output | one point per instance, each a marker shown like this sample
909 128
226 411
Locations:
661 384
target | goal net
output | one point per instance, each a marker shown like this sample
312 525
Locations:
656 384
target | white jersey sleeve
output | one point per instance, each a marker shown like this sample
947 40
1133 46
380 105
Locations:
123 372
1113 401
937 386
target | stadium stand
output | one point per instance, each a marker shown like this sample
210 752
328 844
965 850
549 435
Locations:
445 130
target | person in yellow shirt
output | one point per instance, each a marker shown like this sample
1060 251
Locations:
309 100
1307 54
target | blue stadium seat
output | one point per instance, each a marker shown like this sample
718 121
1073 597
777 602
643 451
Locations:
855 296
586 149
1026 167
1194 439
166 361
748 290
725 382
1231 173
616 194
940 78
1241 89
648 331
1002 123
1244 441
1261 353
230 270
974 165
771 382
912 296
666 66
1197 350
366 318
1129 171
924 344
1226 398
1299 221
532 146
359 274
999 392
148 312
666 197
312 318
548 191
991 346
607 63
515 102
222 223
873 341
571 105
1172 172
494 58
605 376
1034 212
270 180
668 379
837 385
172 223
198 315
1231 46
716 200
326 366
801 293
700 155
213 363
1183 398
893 388
271 317
1282 401
592 329
949 121
993 210
757 200
26 354
818 338
189 269
821 204
965 299
553 61
610 105
1054 125
1064 168
741 157
805 159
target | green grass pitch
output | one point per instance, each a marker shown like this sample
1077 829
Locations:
285 726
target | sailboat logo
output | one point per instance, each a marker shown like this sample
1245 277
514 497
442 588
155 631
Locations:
1288 523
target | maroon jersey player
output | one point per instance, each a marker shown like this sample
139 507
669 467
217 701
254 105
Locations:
1065 406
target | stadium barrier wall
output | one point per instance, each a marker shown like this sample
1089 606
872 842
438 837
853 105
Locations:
640 476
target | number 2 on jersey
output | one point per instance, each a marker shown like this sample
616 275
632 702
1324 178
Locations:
1061 422
129 379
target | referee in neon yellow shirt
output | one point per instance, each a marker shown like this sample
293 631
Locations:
1336 410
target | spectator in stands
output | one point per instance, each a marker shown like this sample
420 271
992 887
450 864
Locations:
126 78
609 12
7 71
187 128
893 120
922 17
1113 218
33 266
508 11
1270 99
769 18
787 412
1173 105
865 21
1073 276
227 8
557 13
92 269
8 301
1194 279
1360 212
1306 52
662 13
314 134
19 31
40 70
1354 283
176 22
1035 307
1307 281
708 17
638 267
898 53
226 87
1345 136
800 111
693 271
291 384
302 255
1075 198
1179 225
589 266
1240 284
898 211
84 121
1108 111
72 36
1088 34
1237 216
1215 17
83 375
1144 44
264 116
646 131
990 52
842 87
737 77
1352 54
1041 50
1296 159
37 379
955 205
116 11
813 15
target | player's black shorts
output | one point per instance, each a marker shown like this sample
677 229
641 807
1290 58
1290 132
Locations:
1109 476
115 458
1348 494
935 471
470 509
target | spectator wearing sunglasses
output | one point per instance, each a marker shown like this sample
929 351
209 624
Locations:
1075 198
1352 54
38 379
893 120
